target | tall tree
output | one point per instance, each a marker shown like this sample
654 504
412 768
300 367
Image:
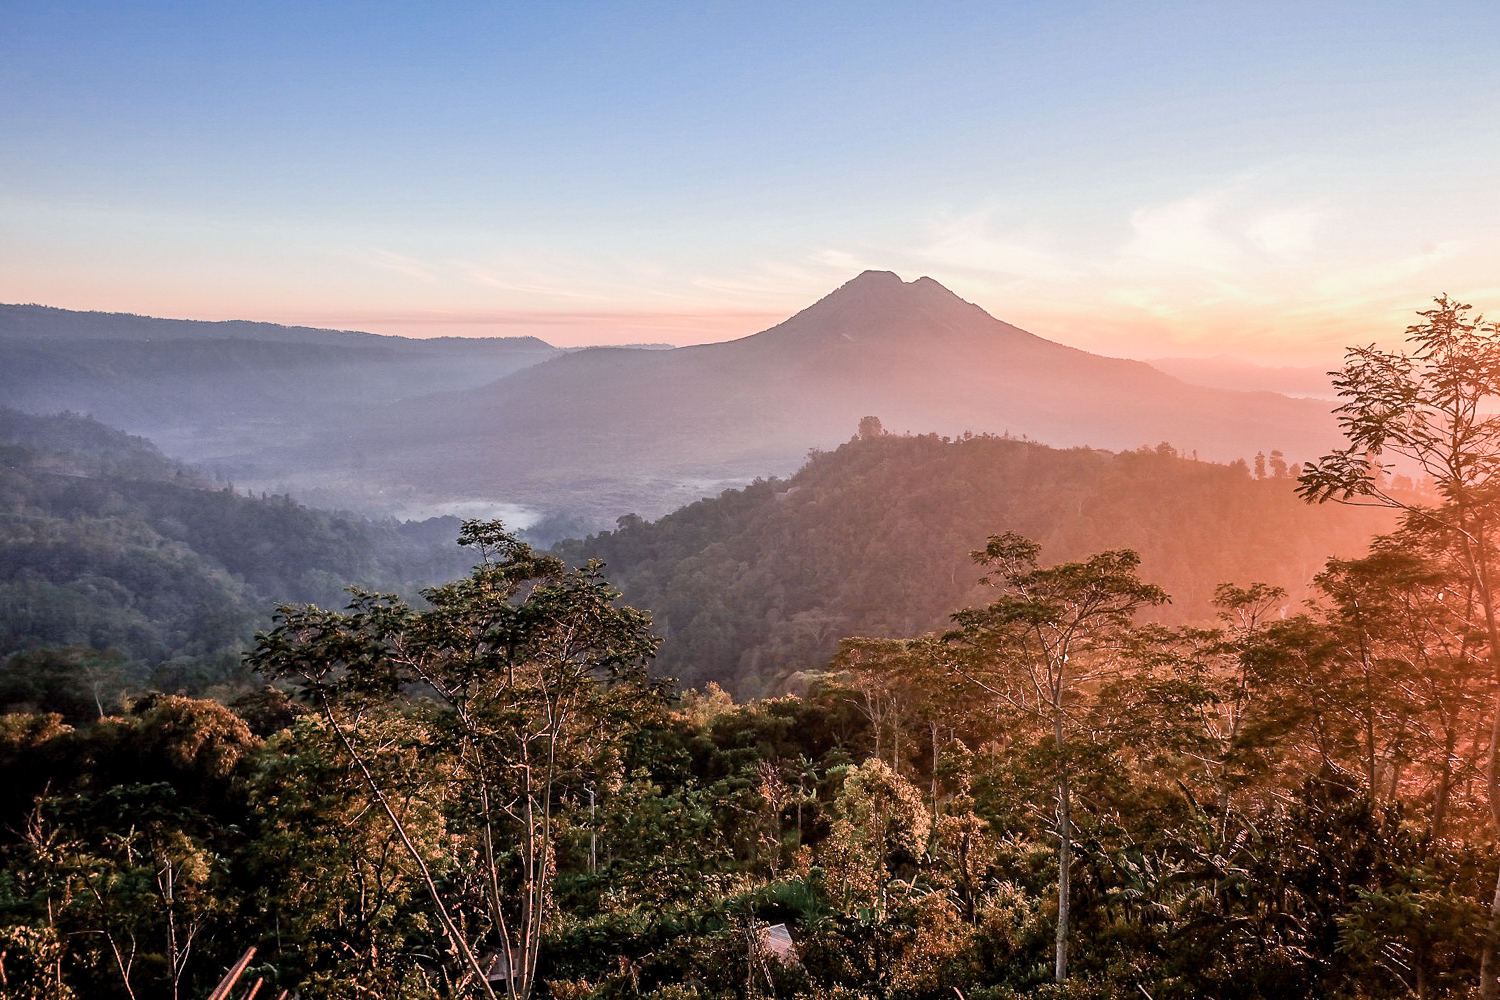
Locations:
1409 675
904 688
1052 633
1426 408
537 675
1244 613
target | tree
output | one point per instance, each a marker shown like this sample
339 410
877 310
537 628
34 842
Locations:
1038 647
904 687
535 677
881 828
124 856
328 869
1243 612
1409 678
1426 409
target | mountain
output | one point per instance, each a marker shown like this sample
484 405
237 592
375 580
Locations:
516 428
210 391
874 538
608 430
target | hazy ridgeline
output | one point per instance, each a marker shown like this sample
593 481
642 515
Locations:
395 425
235 396
162 575
873 539
122 564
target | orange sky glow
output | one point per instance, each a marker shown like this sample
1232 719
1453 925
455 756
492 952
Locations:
1273 182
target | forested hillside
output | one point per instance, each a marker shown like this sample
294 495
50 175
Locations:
121 565
873 539
1273 809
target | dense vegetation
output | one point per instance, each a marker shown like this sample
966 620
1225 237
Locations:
873 539
1273 808
128 569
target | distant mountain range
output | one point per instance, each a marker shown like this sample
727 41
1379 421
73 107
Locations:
387 423
647 431
207 392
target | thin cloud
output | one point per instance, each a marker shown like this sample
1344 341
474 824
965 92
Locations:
1289 233
969 242
564 328
412 268
1353 283
508 277
840 260
1180 235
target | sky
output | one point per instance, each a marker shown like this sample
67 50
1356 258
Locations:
1272 181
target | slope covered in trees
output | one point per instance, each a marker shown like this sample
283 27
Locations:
872 539
1056 794
1270 809
122 565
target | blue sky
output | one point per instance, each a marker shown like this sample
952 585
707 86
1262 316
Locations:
1273 181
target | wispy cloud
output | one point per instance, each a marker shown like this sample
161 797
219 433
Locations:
512 273
978 242
412 268
1287 233
1380 275
1242 227
792 283
1179 235
1263 263
563 328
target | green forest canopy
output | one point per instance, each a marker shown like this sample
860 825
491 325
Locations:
1273 808
873 538
137 570
1047 797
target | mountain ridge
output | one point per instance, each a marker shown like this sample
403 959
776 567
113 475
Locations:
381 423
20 321
873 539
204 390
624 426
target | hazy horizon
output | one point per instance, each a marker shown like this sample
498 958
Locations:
1192 353
1272 182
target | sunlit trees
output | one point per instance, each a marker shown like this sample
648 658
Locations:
533 677
914 703
1039 647
328 871
881 828
1431 409
1225 660
1407 679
